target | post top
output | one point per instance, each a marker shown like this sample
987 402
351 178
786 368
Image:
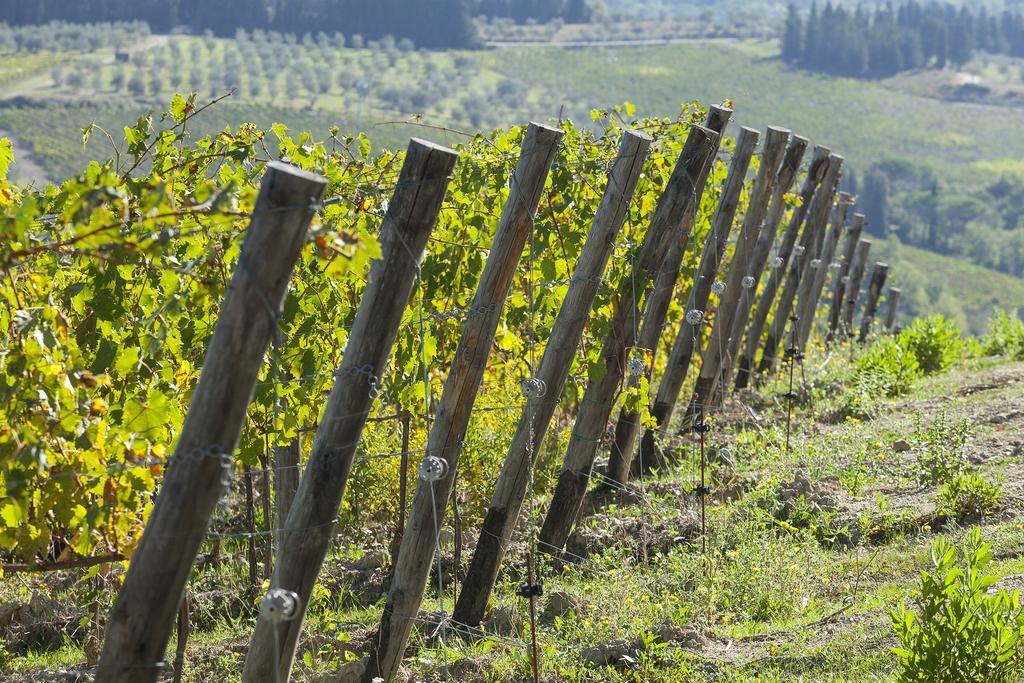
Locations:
432 146
296 172
547 128
634 133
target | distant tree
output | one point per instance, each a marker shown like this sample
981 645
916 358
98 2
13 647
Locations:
889 39
75 79
848 182
117 78
577 12
875 199
812 44
932 214
137 84
793 36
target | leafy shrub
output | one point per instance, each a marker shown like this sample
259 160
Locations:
935 342
1005 336
969 495
893 364
861 399
942 449
956 630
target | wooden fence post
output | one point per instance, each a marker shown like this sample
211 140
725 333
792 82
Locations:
853 283
513 481
411 216
403 487
142 617
687 336
286 483
818 217
250 527
815 173
762 252
810 242
806 313
666 226
749 281
890 314
419 542
628 424
839 285
712 359
878 276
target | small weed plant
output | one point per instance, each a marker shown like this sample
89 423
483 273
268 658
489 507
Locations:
969 495
935 342
893 363
1005 336
941 449
888 368
956 630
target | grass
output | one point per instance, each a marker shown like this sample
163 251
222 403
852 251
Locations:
776 598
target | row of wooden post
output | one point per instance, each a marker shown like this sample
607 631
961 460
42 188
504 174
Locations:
141 621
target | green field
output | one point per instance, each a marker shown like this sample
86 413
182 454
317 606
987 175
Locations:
314 84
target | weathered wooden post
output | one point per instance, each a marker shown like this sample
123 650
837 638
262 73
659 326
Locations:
878 276
806 313
141 620
815 173
890 314
513 481
448 430
686 340
628 425
286 483
713 358
411 216
762 252
403 487
839 285
749 282
853 283
680 197
810 242
820 210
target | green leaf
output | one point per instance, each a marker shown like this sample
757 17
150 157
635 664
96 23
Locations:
127 361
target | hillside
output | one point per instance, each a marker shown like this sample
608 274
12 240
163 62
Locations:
932 282
964 145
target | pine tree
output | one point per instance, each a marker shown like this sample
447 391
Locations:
577 12
875 199
812 40
793 36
